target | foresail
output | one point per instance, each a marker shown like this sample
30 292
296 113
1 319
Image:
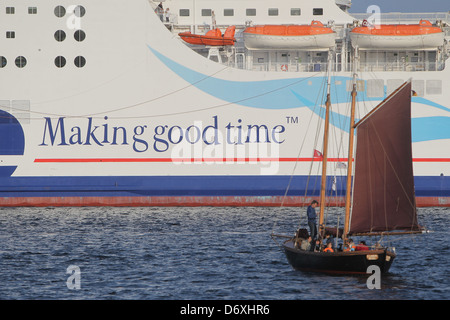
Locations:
383 192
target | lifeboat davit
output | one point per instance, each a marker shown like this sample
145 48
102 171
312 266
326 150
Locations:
420 36
213 37
287 37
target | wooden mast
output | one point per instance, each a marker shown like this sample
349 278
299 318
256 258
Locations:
350 151
325 147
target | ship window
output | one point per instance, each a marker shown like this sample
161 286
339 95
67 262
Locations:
228 12
60 35
206 12
418 88
318 11
393 84
360 85
10 34
79 11
434 86
375 88
184 13
296 11
273 11
60 11
60 61
3 62
250 12
21 62
80 61
80 35
10 10
32 10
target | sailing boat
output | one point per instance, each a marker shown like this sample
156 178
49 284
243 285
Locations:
383 188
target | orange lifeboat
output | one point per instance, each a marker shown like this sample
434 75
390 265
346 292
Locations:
396 36
301 37
211 38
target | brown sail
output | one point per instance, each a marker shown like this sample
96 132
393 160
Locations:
383 192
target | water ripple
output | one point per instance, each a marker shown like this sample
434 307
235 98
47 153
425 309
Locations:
194 253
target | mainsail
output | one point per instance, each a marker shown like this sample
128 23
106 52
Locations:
383 191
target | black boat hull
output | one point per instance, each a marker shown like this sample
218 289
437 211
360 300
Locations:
355 262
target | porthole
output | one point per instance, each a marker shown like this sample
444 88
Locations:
80 61
60 61
60 35
80 35
80 11
21 62
60 11
3 62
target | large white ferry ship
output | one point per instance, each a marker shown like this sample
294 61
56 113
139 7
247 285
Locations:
107 103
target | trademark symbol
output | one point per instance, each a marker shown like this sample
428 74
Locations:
291 119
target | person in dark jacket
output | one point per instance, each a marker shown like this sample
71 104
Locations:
311 214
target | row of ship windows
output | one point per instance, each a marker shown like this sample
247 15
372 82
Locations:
60 11
60 35
12 10
60 62
377 88
250 12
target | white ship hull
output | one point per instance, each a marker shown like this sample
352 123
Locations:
147 121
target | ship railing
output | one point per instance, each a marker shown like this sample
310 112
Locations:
294 67
337 67
446 31
402 66
404 18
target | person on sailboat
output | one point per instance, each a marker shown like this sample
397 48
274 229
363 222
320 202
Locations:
306 244
311 214
350 246
328 239
361 246
328 248
318 246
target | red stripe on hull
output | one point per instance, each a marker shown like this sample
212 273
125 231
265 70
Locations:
187 201
220 160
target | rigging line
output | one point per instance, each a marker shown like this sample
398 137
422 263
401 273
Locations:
136 65
300 150
219 105
135 105
316 138
340 142
164 95
298 156
183 112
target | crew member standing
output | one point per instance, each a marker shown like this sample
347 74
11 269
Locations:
311 214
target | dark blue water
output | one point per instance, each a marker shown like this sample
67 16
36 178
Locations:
195 253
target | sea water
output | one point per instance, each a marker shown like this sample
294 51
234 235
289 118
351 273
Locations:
201 253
